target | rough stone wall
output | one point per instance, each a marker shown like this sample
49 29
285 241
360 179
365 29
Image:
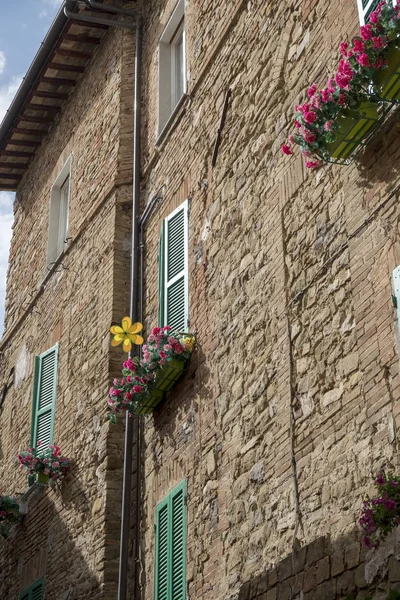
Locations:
71 535
290 296
328 570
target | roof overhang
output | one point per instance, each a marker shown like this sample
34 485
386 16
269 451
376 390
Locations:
53 74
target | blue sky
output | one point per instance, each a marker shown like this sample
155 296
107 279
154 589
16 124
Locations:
23 26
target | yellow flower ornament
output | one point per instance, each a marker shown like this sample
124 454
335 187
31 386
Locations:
126 334
189 340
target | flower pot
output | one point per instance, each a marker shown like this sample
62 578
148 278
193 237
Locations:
354 126
42 479
387 81
165 379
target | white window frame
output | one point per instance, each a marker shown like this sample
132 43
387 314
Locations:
185 271
362 11
59 214
168 100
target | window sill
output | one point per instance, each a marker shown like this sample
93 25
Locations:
172 121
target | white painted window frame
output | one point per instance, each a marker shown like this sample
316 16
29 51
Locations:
59 214
168 99
185 271
362 11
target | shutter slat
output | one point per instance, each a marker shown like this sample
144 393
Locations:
44 429
37 592
176 305
176 245
162 555
47 380
178 546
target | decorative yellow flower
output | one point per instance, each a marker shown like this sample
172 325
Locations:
189 340
126 334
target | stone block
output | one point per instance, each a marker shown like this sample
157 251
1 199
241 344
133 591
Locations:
394 569
285 568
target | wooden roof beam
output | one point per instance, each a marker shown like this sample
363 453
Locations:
33 143
17 153
90 25
8 188
44 107
10 165
62 67
73 53
10 176
29 119
23 131
57 81
81 38
54 95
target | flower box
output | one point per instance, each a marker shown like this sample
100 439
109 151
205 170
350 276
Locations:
387 81
165 379
354 127
42 479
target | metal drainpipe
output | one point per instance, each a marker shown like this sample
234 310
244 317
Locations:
134 301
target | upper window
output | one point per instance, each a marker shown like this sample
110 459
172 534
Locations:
59 208
172 69
34 592
170 566
44 398
173 270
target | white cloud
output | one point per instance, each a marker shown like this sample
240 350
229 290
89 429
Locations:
6 221
43 14
2 61
7 93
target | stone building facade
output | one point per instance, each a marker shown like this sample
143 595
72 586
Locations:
290 405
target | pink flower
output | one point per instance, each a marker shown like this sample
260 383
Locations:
328 125
156 331
306 153
380 63
311 90
330 86
291 141
326 96
55 464
137 389
286 150
316 101
342 99
366 32
46 471
343 48
312 164
377 42
168 347
308 136
167 328
297 124
39 443
363 60
309 116
162 354
374 17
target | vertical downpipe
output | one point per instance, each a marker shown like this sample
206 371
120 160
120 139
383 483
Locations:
132 423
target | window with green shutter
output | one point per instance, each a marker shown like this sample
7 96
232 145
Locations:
170 565
34 592
173 270
44 397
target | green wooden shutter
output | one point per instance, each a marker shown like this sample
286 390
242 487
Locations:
170 567
176 290
34 592
44 398
161 268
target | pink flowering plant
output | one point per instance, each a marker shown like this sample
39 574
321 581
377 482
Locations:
316 121
48 461
381 514
139 375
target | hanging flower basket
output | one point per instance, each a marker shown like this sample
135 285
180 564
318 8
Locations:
387 81
353 127
45 464
145 382
165 379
